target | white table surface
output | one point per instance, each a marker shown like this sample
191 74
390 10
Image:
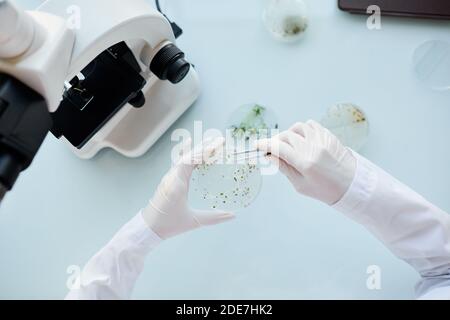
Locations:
284 246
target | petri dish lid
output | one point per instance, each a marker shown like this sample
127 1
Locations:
431 64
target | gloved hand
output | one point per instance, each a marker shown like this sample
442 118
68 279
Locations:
314 160
168 213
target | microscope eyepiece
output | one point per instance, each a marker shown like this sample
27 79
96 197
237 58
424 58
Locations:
169 64
17 30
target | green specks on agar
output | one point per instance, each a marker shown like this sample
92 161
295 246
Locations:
225 186
349 123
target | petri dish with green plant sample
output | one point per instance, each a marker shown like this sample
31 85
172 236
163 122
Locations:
252 121
232 180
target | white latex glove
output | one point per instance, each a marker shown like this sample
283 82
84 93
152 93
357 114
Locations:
314 160
168 213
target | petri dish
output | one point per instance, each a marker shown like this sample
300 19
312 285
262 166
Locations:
252 121
286 20
431 63
225 184
349 123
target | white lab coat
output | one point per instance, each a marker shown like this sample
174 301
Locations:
411 227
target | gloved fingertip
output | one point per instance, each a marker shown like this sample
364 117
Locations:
220 140
207 141
213 141
224 217
186 148
213 218
228 216
222 214
263 141
188 142
261 145
275 160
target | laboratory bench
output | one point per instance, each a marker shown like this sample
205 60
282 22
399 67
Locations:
284 246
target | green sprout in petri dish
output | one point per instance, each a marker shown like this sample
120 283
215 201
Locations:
253 124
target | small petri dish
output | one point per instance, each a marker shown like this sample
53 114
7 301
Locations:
252 121
286 20
225 185
431 64
349 123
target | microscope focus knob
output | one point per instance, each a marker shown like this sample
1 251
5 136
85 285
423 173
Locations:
169 64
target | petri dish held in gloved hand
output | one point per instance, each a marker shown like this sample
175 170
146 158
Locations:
226 182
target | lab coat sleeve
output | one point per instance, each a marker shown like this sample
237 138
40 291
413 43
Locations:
411 227
112 273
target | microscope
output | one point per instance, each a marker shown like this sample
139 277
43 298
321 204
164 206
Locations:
110 76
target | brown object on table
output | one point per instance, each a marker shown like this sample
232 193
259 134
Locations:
434 9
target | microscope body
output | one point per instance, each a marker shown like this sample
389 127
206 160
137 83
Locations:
113 79
103 67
